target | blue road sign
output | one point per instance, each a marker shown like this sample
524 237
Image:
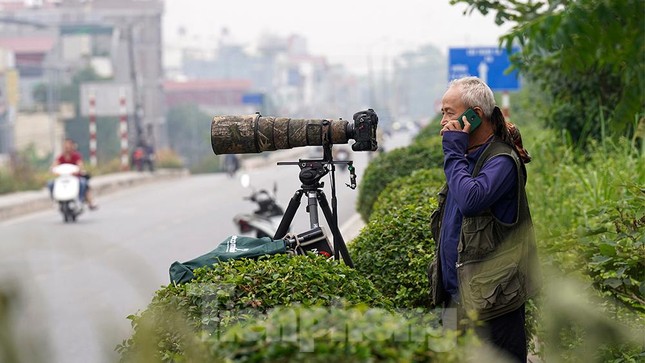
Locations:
253 98
487 63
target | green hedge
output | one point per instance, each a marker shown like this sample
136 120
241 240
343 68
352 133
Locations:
360 334
391 165
395 248
181 316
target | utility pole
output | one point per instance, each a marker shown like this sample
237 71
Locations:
138 113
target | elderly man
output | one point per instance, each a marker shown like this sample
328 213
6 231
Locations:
486 255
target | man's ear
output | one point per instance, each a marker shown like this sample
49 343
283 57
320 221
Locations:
479 112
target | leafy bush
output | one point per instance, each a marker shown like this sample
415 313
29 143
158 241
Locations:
589 217
360 334
391 165
167 158
396 247
26 171
181 316
613 244
430 133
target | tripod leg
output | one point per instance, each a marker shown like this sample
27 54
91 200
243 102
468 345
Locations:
339 243
294 203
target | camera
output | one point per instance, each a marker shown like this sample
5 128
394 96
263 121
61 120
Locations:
256 133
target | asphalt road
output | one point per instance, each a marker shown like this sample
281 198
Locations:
76 283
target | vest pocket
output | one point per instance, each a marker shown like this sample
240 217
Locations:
478 236
493 286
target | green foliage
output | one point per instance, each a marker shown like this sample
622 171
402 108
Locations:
613 244
575 329
396 247
210 164
589 214
429 135
586 55
167 158
27 171
391 165
323 334
340 335
180 315
188 135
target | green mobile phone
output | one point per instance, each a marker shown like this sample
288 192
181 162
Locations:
472 117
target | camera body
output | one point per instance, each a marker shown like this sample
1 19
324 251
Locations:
364 131
255 133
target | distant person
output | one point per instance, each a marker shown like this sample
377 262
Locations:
71 155
149 160
486 260
138 156
231 164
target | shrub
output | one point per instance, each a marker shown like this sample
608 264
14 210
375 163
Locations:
167 158
180 316
588 212
430 133
338 335
396 247
391 165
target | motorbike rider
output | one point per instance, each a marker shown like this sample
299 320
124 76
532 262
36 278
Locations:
71 155
232 163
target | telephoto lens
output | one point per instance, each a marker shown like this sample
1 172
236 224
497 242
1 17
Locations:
255 133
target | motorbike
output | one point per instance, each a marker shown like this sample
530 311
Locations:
66 191
264 221
341 154
231 164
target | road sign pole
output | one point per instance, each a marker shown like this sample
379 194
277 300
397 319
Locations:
506 105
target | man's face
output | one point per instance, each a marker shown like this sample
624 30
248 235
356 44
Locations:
451 105
68 146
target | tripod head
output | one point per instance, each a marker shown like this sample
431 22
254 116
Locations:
312 170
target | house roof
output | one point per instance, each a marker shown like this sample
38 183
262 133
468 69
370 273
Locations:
40 44
207 85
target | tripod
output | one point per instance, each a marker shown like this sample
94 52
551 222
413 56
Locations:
311 170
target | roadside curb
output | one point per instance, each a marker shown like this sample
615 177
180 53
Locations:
270 157
21 203
352 228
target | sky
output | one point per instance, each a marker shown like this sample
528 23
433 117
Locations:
355 33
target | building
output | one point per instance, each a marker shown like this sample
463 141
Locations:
120 39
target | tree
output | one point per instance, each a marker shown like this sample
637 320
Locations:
587 55
188 134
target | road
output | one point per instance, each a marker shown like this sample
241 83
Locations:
76 283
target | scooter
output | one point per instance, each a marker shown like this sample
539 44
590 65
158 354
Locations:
66 191
341 154
265 220
231 164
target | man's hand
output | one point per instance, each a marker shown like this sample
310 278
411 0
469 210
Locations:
454 125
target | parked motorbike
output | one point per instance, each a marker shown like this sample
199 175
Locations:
66 191
264 221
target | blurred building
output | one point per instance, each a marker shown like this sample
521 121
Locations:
47 42
280 70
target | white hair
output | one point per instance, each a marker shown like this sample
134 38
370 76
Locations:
474 92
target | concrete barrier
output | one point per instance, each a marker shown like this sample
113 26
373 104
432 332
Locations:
21 203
